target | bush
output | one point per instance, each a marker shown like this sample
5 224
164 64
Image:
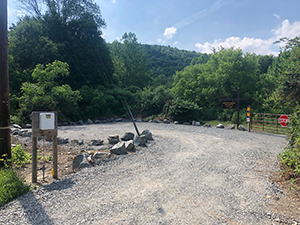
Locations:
11 186
184 111
290 158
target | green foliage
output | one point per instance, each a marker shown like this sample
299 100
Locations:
224 72
19 157
184 111
46 95
11 186
152 100
165 60
130 62
290 158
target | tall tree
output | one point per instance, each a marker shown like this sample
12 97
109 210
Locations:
130 61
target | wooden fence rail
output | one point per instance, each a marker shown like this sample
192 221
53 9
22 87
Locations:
268 123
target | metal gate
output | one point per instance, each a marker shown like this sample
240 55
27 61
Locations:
267 123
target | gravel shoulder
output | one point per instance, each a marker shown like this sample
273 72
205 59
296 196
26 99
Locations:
187 175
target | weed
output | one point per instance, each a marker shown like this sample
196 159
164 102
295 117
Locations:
19 157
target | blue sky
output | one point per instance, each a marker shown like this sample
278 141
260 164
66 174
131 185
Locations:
199 25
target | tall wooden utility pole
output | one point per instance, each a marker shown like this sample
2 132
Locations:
5 147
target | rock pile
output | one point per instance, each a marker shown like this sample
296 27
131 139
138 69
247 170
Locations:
127 144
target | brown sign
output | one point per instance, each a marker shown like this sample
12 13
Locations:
228 105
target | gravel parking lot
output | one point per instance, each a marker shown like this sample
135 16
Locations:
187 175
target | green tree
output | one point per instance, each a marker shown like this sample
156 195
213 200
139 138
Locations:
130 62
224 72
47 95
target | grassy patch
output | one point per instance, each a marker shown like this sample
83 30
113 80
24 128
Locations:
214 123
11 186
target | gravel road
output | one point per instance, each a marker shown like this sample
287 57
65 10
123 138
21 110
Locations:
187 175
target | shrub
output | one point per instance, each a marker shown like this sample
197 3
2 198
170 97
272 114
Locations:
184 111
290 158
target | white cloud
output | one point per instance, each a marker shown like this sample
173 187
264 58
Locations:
175 43
170 32
256 45
113 1
277 16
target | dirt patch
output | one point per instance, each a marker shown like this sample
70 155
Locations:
288 207
65 159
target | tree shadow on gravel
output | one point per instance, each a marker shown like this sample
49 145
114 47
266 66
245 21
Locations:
33 209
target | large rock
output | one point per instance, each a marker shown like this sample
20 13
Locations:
25 133
156 121
140 140
129 145
16 126
80 122
207 125
220 125
148 135
89 121
176 122
119 148
81 161
196 123
230 127
14 131
242 128
127 136
166 121
113 139
186 123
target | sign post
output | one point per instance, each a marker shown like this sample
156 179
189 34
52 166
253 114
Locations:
283 120
238 99
248 117
44 124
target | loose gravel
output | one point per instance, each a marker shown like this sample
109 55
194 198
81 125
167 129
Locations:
187 175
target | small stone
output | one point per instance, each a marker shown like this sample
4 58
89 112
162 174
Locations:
186 123
206 125
81 122
156 121
96 142
28 126
98 155
176 122
268 196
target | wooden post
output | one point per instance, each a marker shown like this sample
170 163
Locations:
34 159
54 146
5 146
